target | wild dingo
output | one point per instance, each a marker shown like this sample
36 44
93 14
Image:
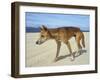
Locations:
62 34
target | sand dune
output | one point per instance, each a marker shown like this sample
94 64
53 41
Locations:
44 55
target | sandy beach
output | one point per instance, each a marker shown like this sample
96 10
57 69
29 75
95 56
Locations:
44 55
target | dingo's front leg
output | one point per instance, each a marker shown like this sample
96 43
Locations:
58 49
69 47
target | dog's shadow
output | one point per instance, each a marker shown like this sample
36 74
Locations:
74 53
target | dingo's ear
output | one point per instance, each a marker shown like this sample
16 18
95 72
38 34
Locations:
43 27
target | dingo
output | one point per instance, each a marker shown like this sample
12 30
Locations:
62 34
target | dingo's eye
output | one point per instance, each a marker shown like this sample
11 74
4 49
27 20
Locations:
42 35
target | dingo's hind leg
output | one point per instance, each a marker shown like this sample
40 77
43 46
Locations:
78 40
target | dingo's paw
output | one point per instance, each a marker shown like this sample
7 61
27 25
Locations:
72 58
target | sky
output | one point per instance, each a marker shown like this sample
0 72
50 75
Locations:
56 20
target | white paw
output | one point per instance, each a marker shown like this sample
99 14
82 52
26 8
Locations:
72 58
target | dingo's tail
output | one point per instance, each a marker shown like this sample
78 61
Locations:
83 42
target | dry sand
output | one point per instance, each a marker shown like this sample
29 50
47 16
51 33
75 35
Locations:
44 55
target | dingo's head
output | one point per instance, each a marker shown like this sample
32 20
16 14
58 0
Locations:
44 35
